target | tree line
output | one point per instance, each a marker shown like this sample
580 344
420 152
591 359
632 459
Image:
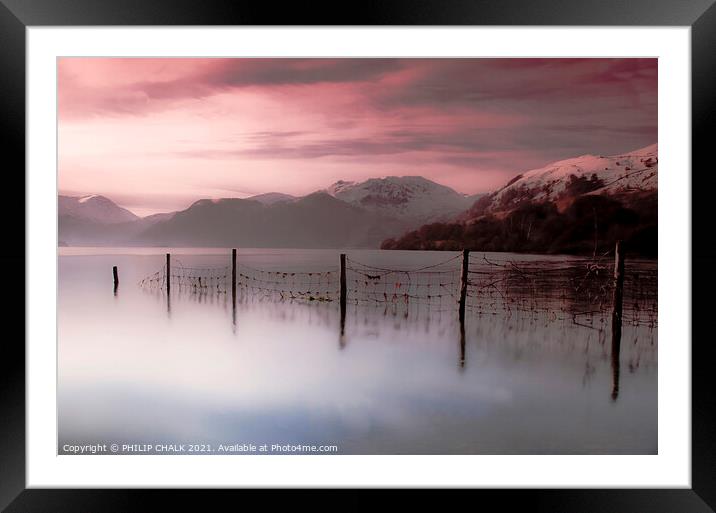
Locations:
591 224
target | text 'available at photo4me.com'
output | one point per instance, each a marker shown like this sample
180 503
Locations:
185 448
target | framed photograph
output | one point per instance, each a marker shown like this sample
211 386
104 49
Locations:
423 246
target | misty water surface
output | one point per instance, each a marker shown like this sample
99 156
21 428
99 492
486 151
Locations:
135 369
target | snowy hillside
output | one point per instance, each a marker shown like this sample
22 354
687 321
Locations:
589 174
412 198
93 208
579 206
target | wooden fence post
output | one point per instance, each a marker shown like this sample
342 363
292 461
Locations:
463 283
618 294
169 273
233 289
344 292
115 274
233 275
617 300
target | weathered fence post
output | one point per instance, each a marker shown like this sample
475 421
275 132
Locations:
463 283
169 273
344 292
233 274
617 300
115 275
618 294
233 289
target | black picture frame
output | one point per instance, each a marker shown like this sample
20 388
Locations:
700 15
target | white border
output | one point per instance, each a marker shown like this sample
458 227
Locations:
672 465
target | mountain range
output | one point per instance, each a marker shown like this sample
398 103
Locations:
580 205
345 214
386 211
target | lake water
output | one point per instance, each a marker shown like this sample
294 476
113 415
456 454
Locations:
400 377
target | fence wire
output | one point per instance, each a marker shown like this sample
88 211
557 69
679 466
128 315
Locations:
288 285
436 286
196 280
579 290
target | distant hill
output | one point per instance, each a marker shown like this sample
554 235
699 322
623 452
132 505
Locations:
314 221
97 220
94 208
84 232
581 205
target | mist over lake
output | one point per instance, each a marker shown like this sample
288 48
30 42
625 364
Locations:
135 368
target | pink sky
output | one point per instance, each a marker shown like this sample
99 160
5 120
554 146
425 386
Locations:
155 135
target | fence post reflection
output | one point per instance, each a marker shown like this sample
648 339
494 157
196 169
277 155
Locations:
233 314
616 347
462 343
617 316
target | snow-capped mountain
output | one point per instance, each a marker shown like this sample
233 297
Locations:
411 198
636 171
95 208
580 206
